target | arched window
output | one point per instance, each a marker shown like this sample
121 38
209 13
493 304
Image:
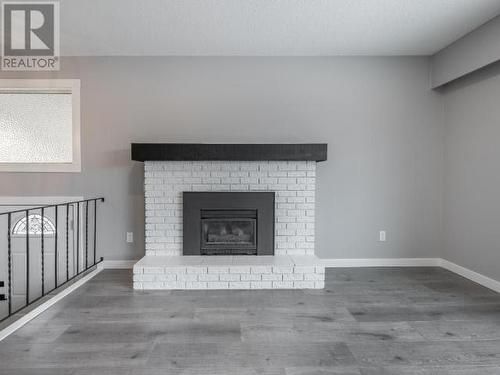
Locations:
34 226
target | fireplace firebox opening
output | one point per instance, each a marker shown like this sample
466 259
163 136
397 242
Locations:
232 223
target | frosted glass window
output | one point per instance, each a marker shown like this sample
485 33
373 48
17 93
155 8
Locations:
36 127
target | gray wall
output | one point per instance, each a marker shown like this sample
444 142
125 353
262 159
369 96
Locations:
476 50
382 123
472 172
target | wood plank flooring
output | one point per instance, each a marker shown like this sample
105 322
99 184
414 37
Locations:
368 321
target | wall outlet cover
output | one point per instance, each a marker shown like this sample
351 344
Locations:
130 237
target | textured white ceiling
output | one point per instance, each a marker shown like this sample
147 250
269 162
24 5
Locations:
267 27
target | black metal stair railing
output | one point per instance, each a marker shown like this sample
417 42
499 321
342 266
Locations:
74 249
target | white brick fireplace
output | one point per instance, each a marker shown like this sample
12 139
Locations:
293 182
293 264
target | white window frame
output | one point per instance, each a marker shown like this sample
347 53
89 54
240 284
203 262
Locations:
70 86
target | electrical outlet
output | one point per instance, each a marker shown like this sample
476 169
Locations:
382 236
130 237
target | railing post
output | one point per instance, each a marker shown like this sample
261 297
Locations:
67 242
55 249
95 231
9 260
86 234
43 252
77 239
27 258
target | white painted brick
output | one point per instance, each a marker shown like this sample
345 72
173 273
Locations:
288 180
231 180
286 193
287 167
249 167
286 232
293 277
282 269
272 277
224 174
290 206
165 182
154 270
303 269
202 187
261 269
239 285
320 269
283 284
196 269
239 187
280 212
306 232
138 269
296 226
211 180
251 277
175 285
217 269
286 219
249 180
279 173
138 285
277 187
242 174
196 285
305 193
144 277
152 285
230 277
176 270
305 206
314 276
208 277
258 187
305 219
188 277
202 174
167 277
304 284
239 269
319 284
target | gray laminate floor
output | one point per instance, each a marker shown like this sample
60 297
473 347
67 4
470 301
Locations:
373 321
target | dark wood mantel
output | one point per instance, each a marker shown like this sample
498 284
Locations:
224 151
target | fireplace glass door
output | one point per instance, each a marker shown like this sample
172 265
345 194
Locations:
228 232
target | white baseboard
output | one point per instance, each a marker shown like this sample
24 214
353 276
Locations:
117 264
383 262
44 306
471 275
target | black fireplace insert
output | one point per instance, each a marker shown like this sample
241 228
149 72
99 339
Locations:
228 223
